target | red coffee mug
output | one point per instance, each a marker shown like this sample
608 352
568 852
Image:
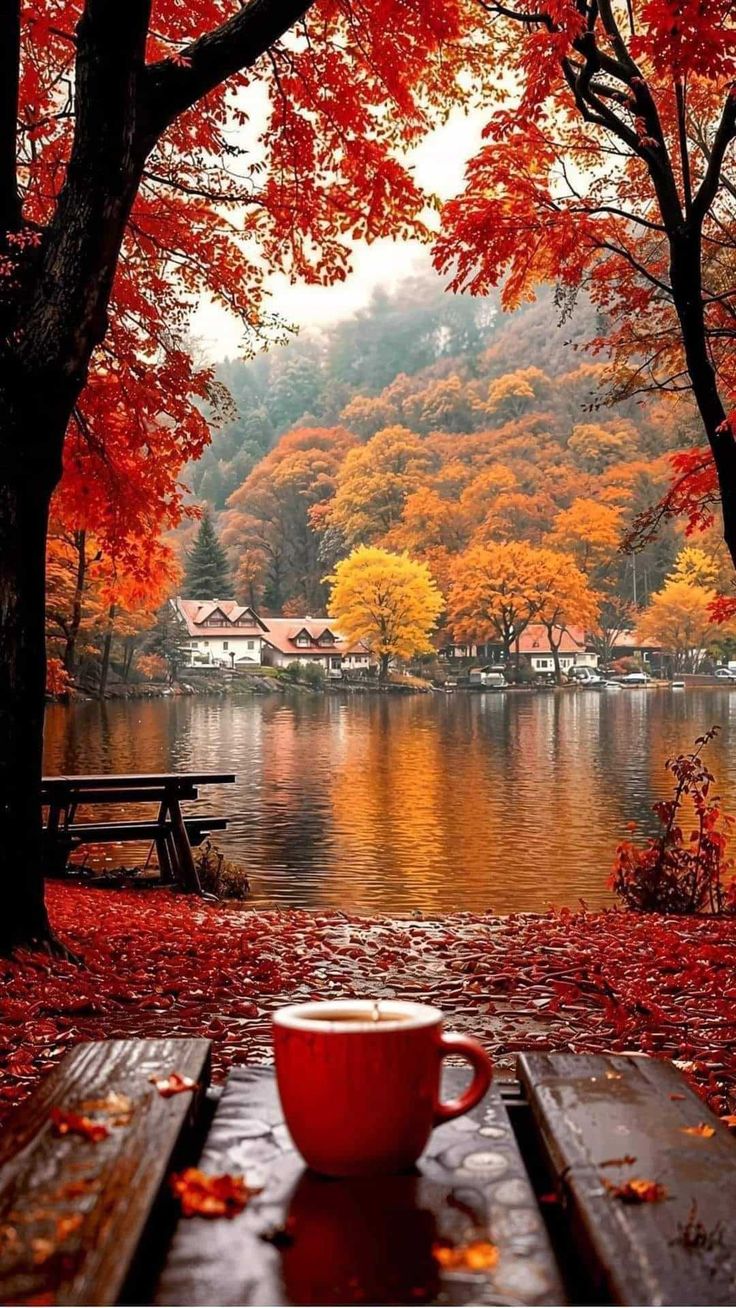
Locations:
359 1082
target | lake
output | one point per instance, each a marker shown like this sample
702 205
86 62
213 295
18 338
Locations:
508 802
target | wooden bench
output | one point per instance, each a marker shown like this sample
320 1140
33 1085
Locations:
172 832
567 1130
74 1215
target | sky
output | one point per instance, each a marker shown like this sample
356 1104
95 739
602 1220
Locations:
440 164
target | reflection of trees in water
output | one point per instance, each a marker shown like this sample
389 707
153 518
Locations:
436 802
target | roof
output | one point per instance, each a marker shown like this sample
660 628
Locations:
534 640
196 612
282 634
630 640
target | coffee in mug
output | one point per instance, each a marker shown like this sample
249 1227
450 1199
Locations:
359 1081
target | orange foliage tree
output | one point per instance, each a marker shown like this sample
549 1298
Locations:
610 165
132 180
495 592
268 526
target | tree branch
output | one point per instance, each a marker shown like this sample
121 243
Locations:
66 315
10 208
725 133
172 86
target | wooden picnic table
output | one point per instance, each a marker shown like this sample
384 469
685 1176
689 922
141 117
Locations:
172 833
84 1223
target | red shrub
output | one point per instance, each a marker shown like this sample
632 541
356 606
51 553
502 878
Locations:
685 869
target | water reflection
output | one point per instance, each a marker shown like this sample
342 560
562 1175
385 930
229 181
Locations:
509 802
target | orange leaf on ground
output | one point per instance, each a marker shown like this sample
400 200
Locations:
476 1256
637 1191
65 1123
676 1096
702 1129
210 1196
173 1084
730 1120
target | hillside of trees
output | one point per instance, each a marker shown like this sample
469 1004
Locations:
427 424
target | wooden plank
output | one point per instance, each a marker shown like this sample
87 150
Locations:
86 833
132 794
73 1212
591 1110
367 1240
93 782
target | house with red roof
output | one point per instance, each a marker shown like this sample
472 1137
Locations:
221 633
534 645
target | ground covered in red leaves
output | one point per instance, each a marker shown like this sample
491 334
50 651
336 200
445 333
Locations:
156 963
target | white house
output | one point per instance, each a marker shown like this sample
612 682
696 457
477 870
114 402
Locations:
312 640
535 646
222 633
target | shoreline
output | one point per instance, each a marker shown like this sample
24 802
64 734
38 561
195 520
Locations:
586 982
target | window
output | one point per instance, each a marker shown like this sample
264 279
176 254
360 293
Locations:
225 644
251 644
205 642
335 663
194 644
303 639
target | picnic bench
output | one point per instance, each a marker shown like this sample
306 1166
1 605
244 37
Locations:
172 833
515 1204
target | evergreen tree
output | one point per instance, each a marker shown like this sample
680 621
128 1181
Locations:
168 639
207 574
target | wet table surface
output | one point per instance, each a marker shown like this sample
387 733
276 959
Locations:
309 1240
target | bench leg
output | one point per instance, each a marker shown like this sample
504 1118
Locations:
164 860
188 875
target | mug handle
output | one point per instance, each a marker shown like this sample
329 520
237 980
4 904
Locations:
452 1043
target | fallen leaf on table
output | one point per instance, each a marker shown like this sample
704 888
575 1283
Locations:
65 1123
476 1256
637 1191
66 1226
628 1160
676 1096
730 1120
42 1250
201 1195
119 1108
173 1084
702 1129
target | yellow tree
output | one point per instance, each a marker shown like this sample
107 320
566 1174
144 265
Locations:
374 483
680 619
495 592
387 600
696 567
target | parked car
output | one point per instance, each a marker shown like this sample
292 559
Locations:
585 676
635 679
725 674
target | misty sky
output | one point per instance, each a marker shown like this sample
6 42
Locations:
439 162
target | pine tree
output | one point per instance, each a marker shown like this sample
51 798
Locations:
207 574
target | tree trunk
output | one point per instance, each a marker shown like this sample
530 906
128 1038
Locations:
23 524
383 669
556 660
107 646
687 289
70 646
